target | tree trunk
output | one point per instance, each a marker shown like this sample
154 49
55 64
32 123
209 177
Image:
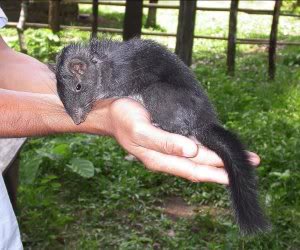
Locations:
231 47
95 18
151 19
273 40
185 30
133 19
54 17
21 26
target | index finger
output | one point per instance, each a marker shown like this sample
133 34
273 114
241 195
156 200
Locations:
183 167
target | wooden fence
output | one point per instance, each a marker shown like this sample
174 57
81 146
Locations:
132 26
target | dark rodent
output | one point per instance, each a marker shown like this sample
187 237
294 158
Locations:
152 75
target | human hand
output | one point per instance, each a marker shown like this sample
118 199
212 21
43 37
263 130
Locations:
162 151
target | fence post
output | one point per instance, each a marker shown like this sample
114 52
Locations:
21 26
95 18
231 46
185 30
273 40
54 17
151 18
132 26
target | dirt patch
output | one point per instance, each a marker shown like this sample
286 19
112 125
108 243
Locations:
177 207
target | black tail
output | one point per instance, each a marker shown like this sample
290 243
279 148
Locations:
242 179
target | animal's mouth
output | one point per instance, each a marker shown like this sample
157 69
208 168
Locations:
79 116
78 120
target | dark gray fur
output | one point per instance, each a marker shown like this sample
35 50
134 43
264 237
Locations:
149 73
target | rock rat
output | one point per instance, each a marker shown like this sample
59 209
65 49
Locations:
157 78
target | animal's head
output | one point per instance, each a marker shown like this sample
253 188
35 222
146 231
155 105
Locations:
78 74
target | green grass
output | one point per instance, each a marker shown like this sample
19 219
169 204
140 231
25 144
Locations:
123 206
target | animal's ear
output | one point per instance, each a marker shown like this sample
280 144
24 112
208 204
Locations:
77 66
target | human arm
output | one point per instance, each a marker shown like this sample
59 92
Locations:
30 114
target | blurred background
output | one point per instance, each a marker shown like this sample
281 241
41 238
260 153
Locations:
83 192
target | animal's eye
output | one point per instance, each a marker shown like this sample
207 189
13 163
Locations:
94 60
78 87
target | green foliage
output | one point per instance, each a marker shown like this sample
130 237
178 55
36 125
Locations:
291 6
50 44
292 59
121 206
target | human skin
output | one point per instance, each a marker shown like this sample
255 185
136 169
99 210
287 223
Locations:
29 106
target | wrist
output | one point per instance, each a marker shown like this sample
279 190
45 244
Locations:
52 115
27 114
100 120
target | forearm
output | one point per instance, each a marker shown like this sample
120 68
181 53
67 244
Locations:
20 72
28 114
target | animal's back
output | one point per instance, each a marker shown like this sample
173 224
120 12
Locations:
148 57
151 70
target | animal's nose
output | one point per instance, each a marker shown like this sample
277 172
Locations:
77 120
79 116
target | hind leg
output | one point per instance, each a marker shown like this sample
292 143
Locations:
168 109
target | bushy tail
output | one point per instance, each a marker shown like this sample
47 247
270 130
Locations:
242 179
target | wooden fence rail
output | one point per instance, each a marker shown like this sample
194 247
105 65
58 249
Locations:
173 6
132 26
153 33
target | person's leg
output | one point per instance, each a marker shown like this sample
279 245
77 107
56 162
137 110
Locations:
9 230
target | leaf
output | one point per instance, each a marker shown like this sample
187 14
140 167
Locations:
84 168
283 176
53 37
55 185
48 179
29 170
98 170
62 149
44 154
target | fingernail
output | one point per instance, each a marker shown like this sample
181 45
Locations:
254 159
223 178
